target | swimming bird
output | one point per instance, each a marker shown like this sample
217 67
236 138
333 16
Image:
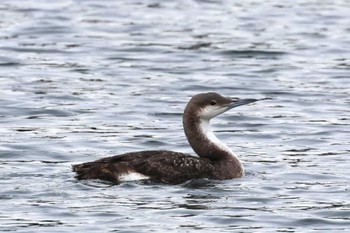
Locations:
214 161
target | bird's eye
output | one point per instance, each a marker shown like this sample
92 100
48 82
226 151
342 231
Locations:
212 102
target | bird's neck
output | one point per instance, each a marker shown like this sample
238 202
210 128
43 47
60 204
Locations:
204 142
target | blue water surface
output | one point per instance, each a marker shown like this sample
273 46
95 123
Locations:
81 80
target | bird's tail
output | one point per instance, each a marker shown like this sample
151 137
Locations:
93 170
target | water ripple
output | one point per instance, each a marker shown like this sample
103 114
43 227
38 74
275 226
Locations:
81 80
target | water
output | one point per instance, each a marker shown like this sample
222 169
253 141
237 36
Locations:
81 80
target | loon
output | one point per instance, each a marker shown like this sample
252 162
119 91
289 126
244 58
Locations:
214 161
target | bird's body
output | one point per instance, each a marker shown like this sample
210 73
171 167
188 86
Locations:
160 166
215 161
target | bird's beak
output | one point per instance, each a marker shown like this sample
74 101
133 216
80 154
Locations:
238 102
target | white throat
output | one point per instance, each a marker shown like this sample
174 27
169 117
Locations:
208 133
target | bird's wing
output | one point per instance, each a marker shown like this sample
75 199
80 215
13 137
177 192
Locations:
174 167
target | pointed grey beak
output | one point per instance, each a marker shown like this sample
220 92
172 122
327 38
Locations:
239 102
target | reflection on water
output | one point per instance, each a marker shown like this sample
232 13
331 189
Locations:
85 79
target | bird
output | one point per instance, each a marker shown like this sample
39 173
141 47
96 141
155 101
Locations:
213 159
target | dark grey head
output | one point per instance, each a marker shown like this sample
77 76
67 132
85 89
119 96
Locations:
209 105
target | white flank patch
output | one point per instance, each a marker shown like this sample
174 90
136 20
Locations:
132 176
